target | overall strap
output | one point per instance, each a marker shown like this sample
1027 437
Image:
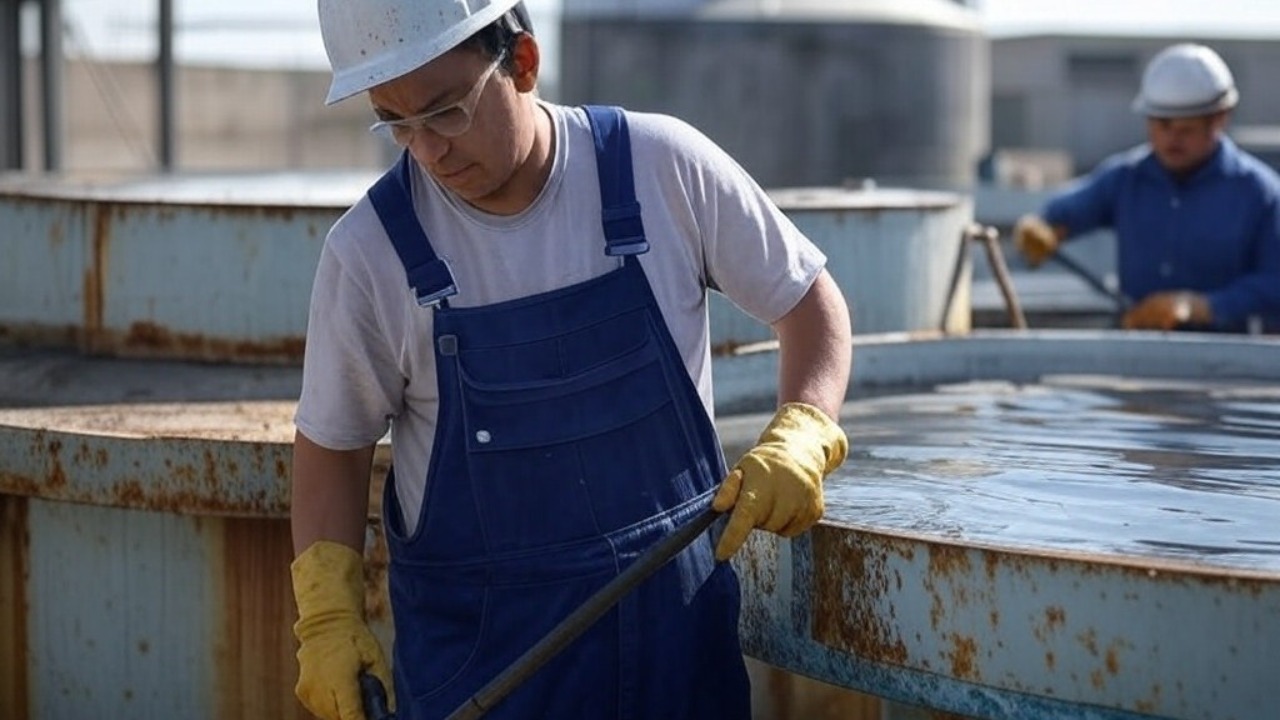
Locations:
428 275
623 228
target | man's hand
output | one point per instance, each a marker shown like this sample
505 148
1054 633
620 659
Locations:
777 485
1034 239
1168 310
336 643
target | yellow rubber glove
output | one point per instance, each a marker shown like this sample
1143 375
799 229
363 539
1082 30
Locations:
336 643
1168 310
1034 239
777 485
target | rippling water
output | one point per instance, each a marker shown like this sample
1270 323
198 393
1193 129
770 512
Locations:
1106 464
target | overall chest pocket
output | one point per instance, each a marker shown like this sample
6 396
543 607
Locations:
541 412
562 388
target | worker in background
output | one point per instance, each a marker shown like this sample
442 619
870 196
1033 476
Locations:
1196 219
522 301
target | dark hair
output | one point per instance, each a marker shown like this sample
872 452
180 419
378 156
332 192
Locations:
499 37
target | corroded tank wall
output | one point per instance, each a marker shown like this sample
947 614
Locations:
997 629
894 253
219 268
199 267
801 92
144 553
145 542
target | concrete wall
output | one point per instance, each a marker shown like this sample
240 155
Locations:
228 119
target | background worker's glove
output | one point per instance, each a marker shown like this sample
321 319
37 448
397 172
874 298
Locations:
777 485
1168 310
336 643
1034 239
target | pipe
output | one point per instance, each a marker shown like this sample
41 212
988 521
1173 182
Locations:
11 120
165 81
51 76
1122 301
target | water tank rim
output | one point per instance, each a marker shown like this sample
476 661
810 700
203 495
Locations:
878 198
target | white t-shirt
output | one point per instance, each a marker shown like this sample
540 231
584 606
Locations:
369 361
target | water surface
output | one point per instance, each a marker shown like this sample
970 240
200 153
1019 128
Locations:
1184 470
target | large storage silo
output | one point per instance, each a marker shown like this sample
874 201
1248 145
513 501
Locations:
801 92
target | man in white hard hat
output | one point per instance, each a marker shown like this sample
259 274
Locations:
1197 220
521 301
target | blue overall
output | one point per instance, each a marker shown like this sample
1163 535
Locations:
569 439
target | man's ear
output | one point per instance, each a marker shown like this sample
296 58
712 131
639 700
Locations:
526 59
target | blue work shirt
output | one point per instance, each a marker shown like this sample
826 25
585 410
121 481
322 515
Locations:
1216 231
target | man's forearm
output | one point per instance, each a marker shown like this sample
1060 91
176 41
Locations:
815 348
330 496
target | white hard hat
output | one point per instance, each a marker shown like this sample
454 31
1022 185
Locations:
1185 80
370 42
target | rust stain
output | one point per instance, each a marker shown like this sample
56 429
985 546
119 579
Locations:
57 476
377 561
256 666
1050 660
1113 661
945 563
95 273
1089 639
1055 617
964 657
850 582
152 340
15 546
762 576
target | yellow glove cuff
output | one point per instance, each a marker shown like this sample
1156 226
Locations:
328 577
799 424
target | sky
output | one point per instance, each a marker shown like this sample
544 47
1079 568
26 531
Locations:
284 33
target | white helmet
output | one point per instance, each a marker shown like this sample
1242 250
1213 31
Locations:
1185 80
370 42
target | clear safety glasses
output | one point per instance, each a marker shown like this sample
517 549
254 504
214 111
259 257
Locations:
450 121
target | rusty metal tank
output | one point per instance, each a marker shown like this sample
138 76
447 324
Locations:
898 255
144 539
201 267
1115 555
892 251
219 268
145 547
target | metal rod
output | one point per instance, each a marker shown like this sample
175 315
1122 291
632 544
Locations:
582 618
1121 300
990 237
165 83
51 77
11 120
373 697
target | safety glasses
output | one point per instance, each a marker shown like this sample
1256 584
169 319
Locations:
450 121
